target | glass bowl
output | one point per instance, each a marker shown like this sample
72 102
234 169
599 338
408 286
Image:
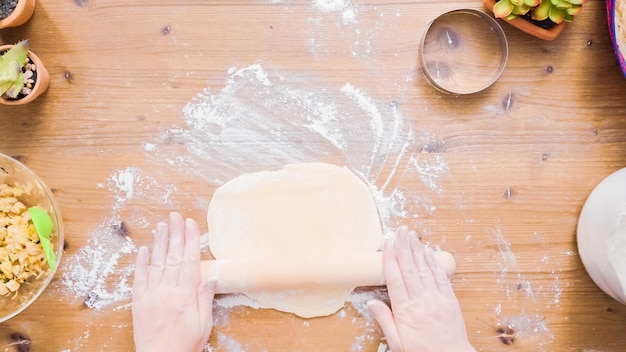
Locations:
14 173
463 51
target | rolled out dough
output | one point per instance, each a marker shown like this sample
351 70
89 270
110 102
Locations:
302 214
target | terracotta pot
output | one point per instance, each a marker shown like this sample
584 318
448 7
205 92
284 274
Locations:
528 27
41 84
22 13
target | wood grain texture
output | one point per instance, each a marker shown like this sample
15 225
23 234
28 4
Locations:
522 156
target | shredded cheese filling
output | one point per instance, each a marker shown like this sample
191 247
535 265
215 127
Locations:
21 253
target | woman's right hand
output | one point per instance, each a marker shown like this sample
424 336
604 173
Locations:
425 314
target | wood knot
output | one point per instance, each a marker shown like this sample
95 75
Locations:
91 300
506 335
508 193
507 102
68 76
20 341
121 229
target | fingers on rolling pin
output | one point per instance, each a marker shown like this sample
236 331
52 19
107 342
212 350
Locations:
447 261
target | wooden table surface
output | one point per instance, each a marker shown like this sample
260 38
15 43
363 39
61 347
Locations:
498 178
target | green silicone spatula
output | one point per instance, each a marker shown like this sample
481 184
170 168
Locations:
43 225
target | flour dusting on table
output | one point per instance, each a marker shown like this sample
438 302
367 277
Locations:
370 329
263 119
530 326
86 274
330 5
528 320
100 271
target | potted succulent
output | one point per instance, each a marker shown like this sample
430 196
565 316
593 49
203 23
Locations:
23 76
544 19
15 13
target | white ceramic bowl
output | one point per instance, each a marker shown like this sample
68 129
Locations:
601 235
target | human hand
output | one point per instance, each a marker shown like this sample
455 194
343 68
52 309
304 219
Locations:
425 314
172 307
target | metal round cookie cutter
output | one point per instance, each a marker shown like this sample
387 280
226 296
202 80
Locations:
463 51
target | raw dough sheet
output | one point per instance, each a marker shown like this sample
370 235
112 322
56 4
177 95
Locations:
307 217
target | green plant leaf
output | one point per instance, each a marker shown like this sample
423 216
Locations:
532 3
574 10
18 52
542 12
556 15
563 5
11 63
503 8
16 86
5 85
9 70
568 17
520 10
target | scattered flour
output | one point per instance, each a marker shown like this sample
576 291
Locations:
347 11
371 331
124 182
265 119
430 171
556 287
131 183
361 39
530 323
509 259
227 343
96 273
358 300
382 347
330 5
93 274
530 327
260 120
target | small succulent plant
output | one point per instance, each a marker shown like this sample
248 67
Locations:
555 10
11 64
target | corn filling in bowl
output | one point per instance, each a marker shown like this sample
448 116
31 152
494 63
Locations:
31 237
21 253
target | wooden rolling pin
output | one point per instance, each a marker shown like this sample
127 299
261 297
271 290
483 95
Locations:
363 269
